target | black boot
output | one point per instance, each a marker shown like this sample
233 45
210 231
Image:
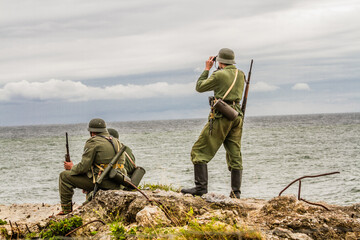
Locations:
236 176
201 181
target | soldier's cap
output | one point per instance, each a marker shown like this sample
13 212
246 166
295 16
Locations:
226 56
113 133
97 125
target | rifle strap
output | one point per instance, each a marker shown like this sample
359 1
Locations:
110 140
92 171
232 85
128 156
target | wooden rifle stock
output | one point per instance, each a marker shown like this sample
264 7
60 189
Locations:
243 105
67 155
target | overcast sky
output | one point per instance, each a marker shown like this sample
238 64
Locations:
69 61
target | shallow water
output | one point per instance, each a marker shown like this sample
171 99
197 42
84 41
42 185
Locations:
276 150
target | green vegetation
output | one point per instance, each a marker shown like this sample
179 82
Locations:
31 236
2 222
153 187
119 232
217 230
4 232
194 229
61 228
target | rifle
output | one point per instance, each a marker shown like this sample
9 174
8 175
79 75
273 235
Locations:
67 155
243 105
211 103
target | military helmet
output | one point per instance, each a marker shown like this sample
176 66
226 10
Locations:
97 125
113 133
226 56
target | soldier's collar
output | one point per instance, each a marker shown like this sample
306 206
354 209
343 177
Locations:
230 67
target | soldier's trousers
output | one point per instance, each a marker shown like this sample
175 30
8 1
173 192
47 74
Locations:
68 182
223 132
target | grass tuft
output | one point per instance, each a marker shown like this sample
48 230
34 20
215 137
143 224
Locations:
60 228
152 187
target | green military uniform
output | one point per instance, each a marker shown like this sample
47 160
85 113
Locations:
219 130
224 131
129 156
98 152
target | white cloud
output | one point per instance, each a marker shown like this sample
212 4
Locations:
262 87
96 40
301 87
136 41
67 90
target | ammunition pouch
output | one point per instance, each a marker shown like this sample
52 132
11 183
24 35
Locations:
225 109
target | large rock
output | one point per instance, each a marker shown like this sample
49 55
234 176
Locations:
279 218
152 216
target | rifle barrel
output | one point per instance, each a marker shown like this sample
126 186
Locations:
243 105
67 156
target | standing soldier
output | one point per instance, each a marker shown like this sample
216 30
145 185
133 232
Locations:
99 150
219 130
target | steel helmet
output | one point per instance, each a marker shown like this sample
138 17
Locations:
97 125
113 133
226 56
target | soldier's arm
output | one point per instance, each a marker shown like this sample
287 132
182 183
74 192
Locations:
86 160
206 83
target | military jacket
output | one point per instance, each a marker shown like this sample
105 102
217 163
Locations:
97 150
220 81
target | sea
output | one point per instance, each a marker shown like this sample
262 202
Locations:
276 151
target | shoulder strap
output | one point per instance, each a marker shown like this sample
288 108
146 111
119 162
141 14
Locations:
128 156
232 85
110 140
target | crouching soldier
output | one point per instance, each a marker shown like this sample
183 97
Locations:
99 150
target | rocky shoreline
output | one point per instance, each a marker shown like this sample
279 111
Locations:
116 214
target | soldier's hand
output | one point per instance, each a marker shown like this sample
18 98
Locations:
68 165
209 63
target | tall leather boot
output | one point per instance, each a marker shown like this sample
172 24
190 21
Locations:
236 176
201 181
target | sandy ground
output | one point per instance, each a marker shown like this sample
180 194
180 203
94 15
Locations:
27 213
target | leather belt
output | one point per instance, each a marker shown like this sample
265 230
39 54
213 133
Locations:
232 102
